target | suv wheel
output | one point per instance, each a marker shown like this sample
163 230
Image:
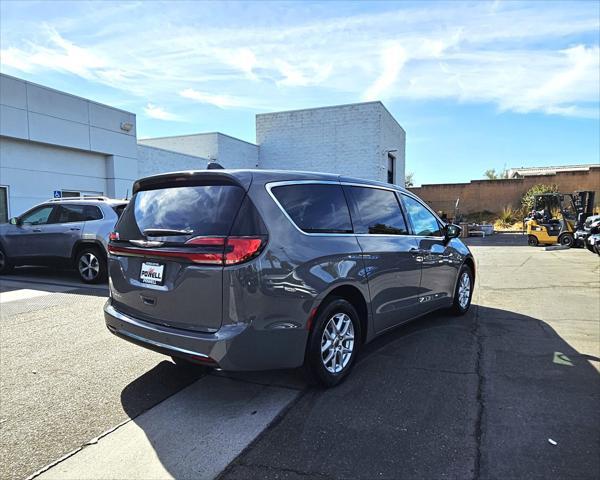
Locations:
91 265
334 343
463 292
5 263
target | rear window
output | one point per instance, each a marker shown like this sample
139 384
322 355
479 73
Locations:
315 208
379 212
199 210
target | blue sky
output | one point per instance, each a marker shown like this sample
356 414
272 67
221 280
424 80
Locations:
475 85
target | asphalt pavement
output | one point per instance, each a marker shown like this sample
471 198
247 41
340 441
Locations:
510 390
62 373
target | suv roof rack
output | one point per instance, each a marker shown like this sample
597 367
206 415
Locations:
91 197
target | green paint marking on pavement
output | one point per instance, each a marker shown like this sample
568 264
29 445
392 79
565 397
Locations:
562 359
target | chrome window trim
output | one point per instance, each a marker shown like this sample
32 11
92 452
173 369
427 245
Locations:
269 186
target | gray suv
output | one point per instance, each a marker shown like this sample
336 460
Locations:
258 269
70 232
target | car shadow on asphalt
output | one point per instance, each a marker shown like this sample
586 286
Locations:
479 396
51 280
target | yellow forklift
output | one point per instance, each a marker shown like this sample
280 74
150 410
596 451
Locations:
557 216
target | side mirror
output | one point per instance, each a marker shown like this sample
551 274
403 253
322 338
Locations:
452 231
15 221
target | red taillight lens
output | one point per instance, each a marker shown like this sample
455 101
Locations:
113 236
220 250
241 249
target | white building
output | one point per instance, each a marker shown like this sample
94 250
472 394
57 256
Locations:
56 144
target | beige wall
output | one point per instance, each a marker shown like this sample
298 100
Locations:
493 195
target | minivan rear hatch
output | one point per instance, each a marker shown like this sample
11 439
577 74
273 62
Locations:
171 244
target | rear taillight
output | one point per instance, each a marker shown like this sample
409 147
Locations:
207 250
113 236
241 249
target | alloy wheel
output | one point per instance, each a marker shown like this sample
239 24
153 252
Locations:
89 266
464 290
337 343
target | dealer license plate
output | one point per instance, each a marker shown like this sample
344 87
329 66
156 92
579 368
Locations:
152 273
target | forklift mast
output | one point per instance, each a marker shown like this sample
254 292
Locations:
584 206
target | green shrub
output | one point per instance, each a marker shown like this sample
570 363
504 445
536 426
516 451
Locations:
508 216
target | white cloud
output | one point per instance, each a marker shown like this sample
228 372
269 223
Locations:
218 100
393 59
518 56
154 111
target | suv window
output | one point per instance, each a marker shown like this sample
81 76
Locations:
37 216
379 212
77 213
315 207
423 221
199 209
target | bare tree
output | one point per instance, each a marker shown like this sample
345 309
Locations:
491 174
409 180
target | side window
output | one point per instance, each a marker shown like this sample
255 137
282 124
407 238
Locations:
315 208
423 221
91 212
70 213
38 216
379 212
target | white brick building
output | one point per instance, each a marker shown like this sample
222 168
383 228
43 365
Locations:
361 140
56 144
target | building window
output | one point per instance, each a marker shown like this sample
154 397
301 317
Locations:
391 168
3 204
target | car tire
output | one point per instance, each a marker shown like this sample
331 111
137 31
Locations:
91 265
566 240
463 292
6 265
334 343
532 241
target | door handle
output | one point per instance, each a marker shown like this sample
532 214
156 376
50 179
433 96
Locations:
417 253
75 228
37 230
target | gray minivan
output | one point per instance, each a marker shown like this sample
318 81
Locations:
259 269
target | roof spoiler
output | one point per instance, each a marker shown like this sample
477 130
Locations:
194 177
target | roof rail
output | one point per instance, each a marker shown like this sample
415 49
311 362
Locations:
91 197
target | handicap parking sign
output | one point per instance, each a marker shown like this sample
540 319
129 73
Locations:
57 194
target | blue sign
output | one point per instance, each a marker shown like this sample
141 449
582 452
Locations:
57 194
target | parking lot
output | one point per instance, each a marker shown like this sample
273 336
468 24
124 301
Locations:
511 390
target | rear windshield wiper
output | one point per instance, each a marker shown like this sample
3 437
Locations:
166 232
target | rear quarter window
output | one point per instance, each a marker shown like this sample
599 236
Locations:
315 208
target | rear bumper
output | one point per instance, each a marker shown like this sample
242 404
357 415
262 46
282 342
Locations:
232 347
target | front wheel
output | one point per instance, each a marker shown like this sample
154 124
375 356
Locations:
567 240
463 292
91 265
532 241
334 343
